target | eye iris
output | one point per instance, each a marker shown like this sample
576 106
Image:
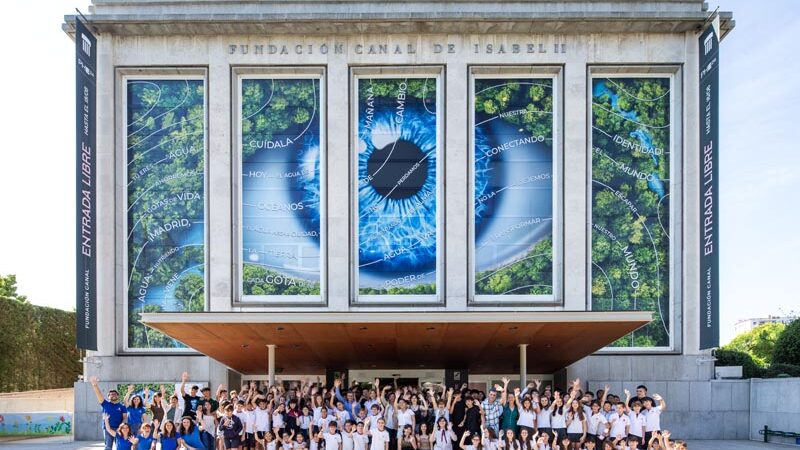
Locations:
398 170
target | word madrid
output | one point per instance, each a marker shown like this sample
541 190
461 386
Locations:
395 48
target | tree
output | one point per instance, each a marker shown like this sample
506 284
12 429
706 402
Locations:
758 342
8 288
787 348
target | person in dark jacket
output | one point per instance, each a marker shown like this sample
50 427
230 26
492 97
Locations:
231 428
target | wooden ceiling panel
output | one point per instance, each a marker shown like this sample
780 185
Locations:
483 342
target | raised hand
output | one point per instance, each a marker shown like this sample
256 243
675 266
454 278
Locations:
130 388
657 397
516 392
505 380
185 377
93 380
627 392
498 388
606 388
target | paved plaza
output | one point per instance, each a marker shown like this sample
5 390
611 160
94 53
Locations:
60 444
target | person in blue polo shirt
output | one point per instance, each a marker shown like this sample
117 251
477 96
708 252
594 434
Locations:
350 404
116 411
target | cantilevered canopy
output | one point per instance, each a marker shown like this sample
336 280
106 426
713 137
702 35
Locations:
483 342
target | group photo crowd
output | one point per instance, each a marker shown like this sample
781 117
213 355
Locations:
307 415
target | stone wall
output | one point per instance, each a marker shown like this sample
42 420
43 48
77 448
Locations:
698 407
776 404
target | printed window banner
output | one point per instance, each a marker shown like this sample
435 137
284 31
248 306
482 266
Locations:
165 143
398 184
513 138
281 203
630 197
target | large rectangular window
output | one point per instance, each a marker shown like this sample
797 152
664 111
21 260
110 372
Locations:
631 165
513 163
398 164
281 206
165 143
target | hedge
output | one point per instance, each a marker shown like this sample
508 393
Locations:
37 347
736 358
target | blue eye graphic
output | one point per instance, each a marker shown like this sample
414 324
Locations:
397 188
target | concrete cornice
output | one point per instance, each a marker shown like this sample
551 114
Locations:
324 17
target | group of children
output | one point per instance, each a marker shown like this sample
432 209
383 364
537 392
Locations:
311 416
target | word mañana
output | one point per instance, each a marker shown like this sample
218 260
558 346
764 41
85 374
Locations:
395 48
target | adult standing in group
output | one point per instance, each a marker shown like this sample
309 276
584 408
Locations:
348 400
510 408
641 396
492 409
114 412
191 400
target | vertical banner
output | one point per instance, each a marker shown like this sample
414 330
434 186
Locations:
85 138
709 188
165 139
281 189
630 170
513 179
398 185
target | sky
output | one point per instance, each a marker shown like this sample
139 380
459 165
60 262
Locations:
759 180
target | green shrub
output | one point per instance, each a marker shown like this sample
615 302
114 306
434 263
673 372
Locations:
37 347
776 370
736 358
787 349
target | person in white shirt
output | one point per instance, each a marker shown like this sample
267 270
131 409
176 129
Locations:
527 416
313 442
262 415
380 437
324 420
287 443
489 441
304 422
620 423
576 425
372 420
300 442
248 419
637 419
653 416
476 443
596 425
443 437
333 440
269 441
362 416
360 437
543 415
405 416
348 442
278 423
442 409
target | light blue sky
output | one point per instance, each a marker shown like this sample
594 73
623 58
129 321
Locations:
760 162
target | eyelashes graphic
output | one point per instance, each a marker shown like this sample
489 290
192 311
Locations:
397 191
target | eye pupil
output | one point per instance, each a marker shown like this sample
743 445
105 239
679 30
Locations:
398 170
